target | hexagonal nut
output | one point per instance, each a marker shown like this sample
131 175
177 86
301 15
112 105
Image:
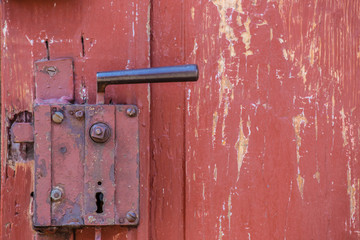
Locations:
56 194
100 132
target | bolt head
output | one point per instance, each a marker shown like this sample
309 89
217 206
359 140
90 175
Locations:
56 194
79 114
131 111
58 117
131 216
100 132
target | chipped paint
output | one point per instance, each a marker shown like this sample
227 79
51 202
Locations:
297 122
229 210
300 181
224 28
242 143
215 121
246 37
351 191
215 173
344 129
192 13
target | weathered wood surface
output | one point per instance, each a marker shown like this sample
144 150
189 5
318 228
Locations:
99 36
264 146
272 127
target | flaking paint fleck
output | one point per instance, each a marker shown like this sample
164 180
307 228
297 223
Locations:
241 145
221 232
344 129
246 37
229 210
297 122
300 181
225 29
215 173
351 191
215 121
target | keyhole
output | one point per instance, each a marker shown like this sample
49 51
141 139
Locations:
99 202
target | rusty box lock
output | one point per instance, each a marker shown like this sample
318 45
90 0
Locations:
87 156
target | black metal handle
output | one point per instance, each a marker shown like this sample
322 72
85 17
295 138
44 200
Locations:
182 73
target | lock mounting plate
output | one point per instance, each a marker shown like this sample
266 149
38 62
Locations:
79 181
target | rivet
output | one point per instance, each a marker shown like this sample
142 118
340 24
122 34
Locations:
58 117
131 216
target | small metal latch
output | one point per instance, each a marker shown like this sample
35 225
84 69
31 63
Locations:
87 156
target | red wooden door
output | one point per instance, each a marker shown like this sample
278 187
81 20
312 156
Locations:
98 36
264 146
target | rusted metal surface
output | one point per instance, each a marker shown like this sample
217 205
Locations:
22 132
127 166
99 168
67 171
82 182
54 80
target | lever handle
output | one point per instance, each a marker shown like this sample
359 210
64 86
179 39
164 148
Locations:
182 73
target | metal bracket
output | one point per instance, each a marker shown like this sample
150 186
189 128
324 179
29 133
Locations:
80 181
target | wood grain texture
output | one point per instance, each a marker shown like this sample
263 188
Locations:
272 132
99 36
264 146
167 124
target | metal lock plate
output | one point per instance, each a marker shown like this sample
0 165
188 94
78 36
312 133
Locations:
79 181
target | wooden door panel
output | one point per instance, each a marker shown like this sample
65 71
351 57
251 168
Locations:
99 36
272 125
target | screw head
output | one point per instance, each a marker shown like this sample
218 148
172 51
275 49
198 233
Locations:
79 114
58 117
131 216
56 194
51 70
100 132
131 111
